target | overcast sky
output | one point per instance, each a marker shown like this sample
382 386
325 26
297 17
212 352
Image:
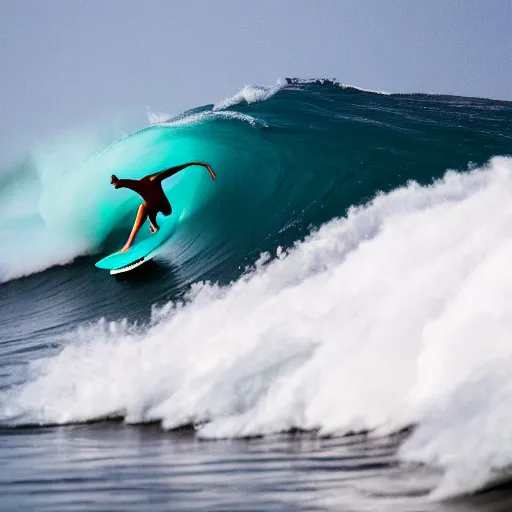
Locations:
65 63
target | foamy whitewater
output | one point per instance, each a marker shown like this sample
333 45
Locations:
348 271
399 313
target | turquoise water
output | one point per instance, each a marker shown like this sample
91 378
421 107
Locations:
304 156
300 157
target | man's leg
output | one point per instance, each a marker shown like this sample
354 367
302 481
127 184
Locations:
141 218
153 226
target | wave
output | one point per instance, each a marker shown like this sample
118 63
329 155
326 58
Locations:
393 315
305 150
346 271
256 93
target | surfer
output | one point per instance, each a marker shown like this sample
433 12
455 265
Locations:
150 189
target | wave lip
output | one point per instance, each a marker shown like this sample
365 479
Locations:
255 93
201 117
331 81
249 94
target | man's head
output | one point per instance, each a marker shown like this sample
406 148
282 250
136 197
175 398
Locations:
114 180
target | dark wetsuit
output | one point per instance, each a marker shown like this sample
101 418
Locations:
150 189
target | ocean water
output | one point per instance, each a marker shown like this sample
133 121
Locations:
327 329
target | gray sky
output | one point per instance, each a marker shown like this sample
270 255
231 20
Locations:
66 63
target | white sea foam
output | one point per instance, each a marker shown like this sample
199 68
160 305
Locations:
156 117
46 218
201 117
376 91
249 94
400 313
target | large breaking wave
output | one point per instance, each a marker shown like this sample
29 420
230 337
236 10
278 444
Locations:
371 301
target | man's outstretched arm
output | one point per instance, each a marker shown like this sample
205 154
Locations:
167 173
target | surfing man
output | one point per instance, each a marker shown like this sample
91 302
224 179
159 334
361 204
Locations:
155 200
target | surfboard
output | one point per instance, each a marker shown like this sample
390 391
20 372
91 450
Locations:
139 253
